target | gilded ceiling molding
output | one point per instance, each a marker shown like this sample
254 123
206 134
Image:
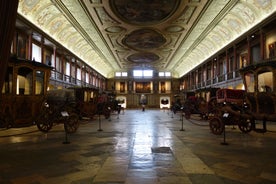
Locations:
48 17
187 32
195 36
244 15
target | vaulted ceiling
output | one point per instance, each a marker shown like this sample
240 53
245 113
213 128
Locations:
163 35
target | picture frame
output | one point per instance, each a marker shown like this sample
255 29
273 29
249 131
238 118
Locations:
143 87
122 87
271 50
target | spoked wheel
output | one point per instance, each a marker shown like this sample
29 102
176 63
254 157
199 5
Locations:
246 125
72 123
188 114
44 122
216 126
3 123
107 112
6 121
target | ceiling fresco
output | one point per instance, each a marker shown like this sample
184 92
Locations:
121 35
144 39
144 12
143 57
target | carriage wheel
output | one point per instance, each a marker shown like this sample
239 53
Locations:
187 114
246 125
216 126
72 123
6 122
3 123
44 122
107 112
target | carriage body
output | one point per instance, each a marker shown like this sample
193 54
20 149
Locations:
23 92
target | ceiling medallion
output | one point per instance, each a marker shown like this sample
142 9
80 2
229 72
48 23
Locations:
174 29
144 39
144 12
143 57
114 29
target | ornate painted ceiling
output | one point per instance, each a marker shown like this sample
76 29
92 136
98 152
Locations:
163 35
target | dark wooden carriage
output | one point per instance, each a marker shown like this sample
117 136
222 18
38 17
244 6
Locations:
230 104
60 106
68 106
87 102
86 99
23 92
202 102
244 107
25 100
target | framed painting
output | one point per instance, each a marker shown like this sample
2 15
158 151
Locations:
143 87
271 50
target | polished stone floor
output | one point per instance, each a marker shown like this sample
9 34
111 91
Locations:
135 147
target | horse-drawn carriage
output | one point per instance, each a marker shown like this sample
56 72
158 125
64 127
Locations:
244 107
201 102
69 105
23 92
25 100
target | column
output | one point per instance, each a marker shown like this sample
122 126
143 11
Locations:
8 13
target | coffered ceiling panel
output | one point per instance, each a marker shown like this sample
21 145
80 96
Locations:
121 35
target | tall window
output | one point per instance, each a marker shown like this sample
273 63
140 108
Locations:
36 52
21 46
78 73
67 70
164 74
142 73
58 63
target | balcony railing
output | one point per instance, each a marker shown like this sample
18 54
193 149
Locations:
66 79
230 75
221 78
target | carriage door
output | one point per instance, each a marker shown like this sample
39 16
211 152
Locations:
23 99
249 82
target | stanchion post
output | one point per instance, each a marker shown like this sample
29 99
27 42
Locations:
100 123
119 111
66 138
224 137
182 119
66 115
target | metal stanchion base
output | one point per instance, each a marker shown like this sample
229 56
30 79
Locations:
66 139
224 142
182 119
100 123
